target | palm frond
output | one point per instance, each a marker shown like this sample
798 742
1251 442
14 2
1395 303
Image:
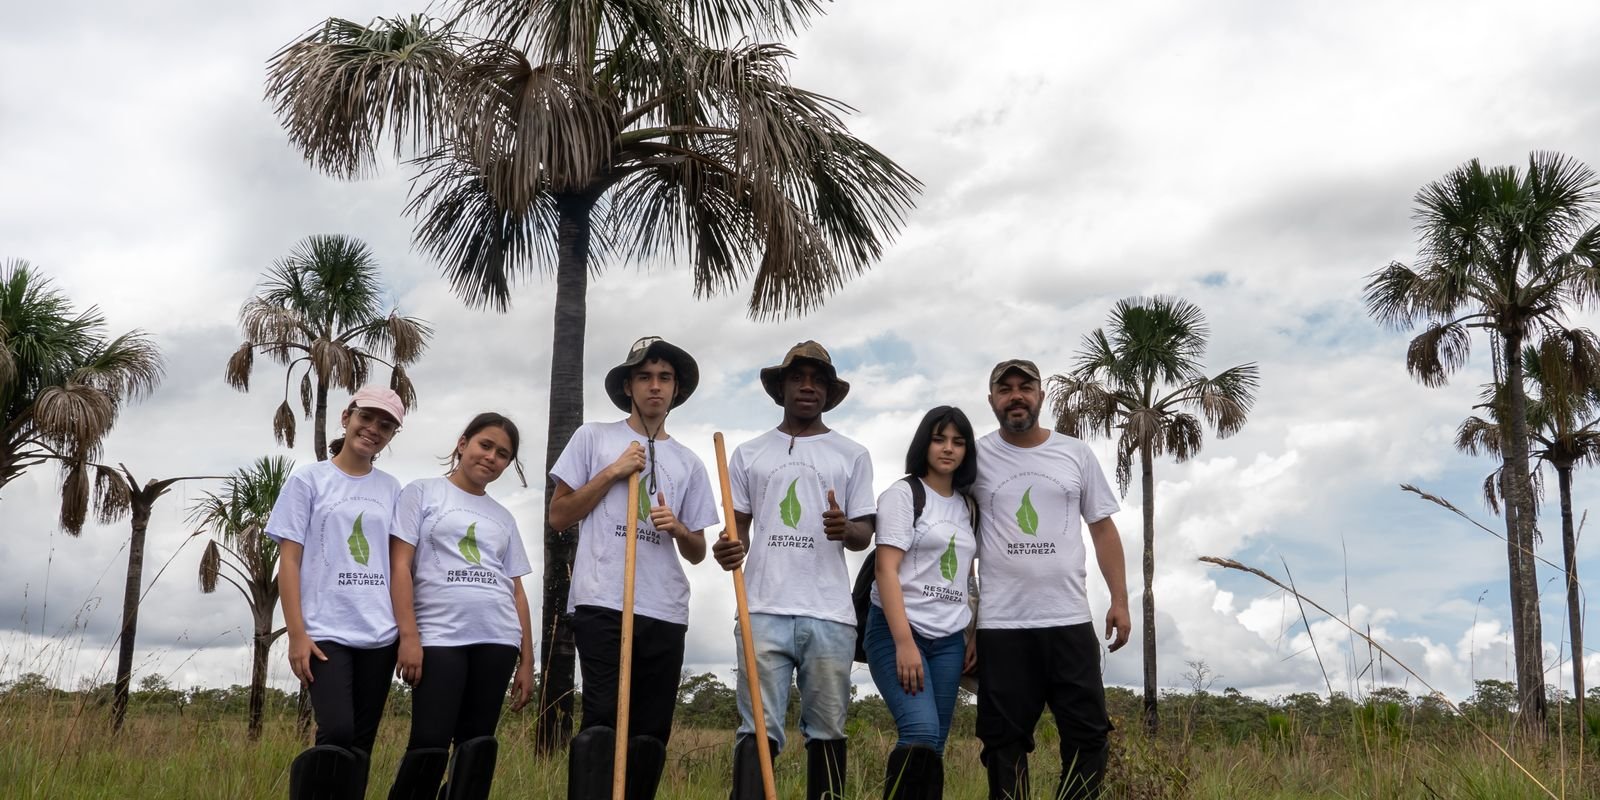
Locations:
126 368
237 373
1397 297
306 393
112 500
1491 491
1437 352
1126 447
271 327
1226 399
343 87
74 416
1181 436
1477 436
283 425
400 382
1158 339
334 364
210 567
1082 406
75 498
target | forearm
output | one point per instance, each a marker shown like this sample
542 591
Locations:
289 587
569 506
891 595
858 533
401 591
691 545
1108 553
525 618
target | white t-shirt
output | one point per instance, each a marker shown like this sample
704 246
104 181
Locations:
661 590
1030 548
343 523
793 568
938 557
468 550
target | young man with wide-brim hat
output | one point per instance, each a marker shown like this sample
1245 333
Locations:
1036 643
802 495
676 505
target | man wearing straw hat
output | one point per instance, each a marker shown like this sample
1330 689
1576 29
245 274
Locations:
1036 640
802 495
676 505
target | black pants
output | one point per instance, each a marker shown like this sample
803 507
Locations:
348 692
657 662
460 694
1023 670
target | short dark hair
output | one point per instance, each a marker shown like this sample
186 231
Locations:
491 419
936 420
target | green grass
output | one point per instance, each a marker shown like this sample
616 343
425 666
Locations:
64 750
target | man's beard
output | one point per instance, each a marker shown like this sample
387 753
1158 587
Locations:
1019 426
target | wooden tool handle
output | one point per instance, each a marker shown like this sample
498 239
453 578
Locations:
619 761
747 636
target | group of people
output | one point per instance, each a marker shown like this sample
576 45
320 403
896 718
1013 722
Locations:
446 609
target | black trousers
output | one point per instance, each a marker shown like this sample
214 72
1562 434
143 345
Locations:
348 692
657 664
460 694
1023 670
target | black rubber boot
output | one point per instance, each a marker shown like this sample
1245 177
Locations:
1081 771
471 770
589 763
747 768
914 772
419 774
358 775
1008 773
647 757
322 773
825 769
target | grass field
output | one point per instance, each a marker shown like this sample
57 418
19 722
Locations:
64 750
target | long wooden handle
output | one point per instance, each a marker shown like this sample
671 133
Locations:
619 761
747 636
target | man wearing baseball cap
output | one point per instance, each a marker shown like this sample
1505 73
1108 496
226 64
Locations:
802 495
675 507
1036 641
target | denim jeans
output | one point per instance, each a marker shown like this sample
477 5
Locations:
818 655
922 718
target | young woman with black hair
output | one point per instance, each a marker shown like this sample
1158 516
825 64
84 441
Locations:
465 630
915 637
331 522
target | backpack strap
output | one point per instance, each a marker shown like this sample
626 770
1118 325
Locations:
919 497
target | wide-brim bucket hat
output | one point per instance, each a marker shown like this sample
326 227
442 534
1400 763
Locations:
683 364
809 350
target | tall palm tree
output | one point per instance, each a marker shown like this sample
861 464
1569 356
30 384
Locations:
554 136
62 383
1506 251
1564 424
241 554
1144 378
321 307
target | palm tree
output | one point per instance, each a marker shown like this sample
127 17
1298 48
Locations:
1564 425
1145 379
241 554
550 137
62 383
1505 251
321 306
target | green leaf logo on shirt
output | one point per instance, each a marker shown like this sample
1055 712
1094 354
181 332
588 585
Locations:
359 549
789 509
947 562
1027 517
644 506
469 546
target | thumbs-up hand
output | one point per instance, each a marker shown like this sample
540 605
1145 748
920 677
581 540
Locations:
833 520
663 519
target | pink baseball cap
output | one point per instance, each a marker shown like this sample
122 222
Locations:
381 398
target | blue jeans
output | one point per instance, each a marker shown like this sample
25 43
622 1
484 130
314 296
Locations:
818 655
922 718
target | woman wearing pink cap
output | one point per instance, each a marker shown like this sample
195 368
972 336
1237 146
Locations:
331 523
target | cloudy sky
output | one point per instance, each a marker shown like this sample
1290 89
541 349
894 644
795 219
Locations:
1256 158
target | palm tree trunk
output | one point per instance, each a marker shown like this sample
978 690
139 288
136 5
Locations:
1521 516
1148 484
319 426
557 652
130 606
1569 551
261 646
